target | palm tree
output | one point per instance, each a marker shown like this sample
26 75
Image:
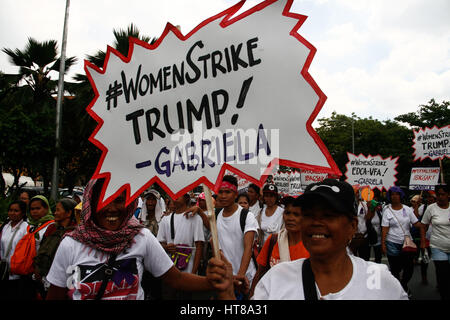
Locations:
35 105
36 62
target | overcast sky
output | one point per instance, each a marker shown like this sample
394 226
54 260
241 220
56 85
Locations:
378 58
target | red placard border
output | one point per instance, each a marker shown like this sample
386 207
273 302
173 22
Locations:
367 157
414 143
333 170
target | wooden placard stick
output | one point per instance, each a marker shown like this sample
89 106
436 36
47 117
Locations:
212 221
442 171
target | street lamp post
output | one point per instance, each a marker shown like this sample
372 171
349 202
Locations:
353 136
62 66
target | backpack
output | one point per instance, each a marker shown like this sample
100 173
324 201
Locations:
23 257
242 219
47 250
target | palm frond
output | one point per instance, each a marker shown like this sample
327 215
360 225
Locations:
42 53
69 63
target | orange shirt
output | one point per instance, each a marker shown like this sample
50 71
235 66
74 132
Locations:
296 251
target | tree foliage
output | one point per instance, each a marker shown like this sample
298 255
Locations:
371 137
28 114
428 115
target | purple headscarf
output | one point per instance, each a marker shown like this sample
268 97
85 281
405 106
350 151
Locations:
396 190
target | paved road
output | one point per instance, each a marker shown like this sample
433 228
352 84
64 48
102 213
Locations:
421 291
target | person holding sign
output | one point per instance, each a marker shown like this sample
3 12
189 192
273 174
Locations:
438 214
395 232
369 226
328 222
104 257
235 233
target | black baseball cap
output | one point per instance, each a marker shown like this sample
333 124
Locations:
270 187
339 195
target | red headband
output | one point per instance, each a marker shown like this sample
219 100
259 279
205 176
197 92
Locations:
228 185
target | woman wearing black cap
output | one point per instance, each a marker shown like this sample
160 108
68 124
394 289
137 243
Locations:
270 218
328 224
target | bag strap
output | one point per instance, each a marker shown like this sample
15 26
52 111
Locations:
172 226
217 211
393 214
107 275
378 212
273 241
42 226
8 250
260 232
309 283
243 218
260 217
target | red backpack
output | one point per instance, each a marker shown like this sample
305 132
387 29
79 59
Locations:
25 251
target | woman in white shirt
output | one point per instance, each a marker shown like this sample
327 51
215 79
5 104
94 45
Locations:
270 220
328 223
11 232
438 214
104 257
395 226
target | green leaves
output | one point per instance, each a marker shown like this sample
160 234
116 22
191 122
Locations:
371 137
428 115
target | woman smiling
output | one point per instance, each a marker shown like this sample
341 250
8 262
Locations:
328 223
287 245
105 256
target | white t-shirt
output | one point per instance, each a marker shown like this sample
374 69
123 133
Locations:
272 224
187 232
231 239
440 218
404 216
78 268
369 281
256 208
362 210
7 233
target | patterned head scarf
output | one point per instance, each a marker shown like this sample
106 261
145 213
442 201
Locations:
94 236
